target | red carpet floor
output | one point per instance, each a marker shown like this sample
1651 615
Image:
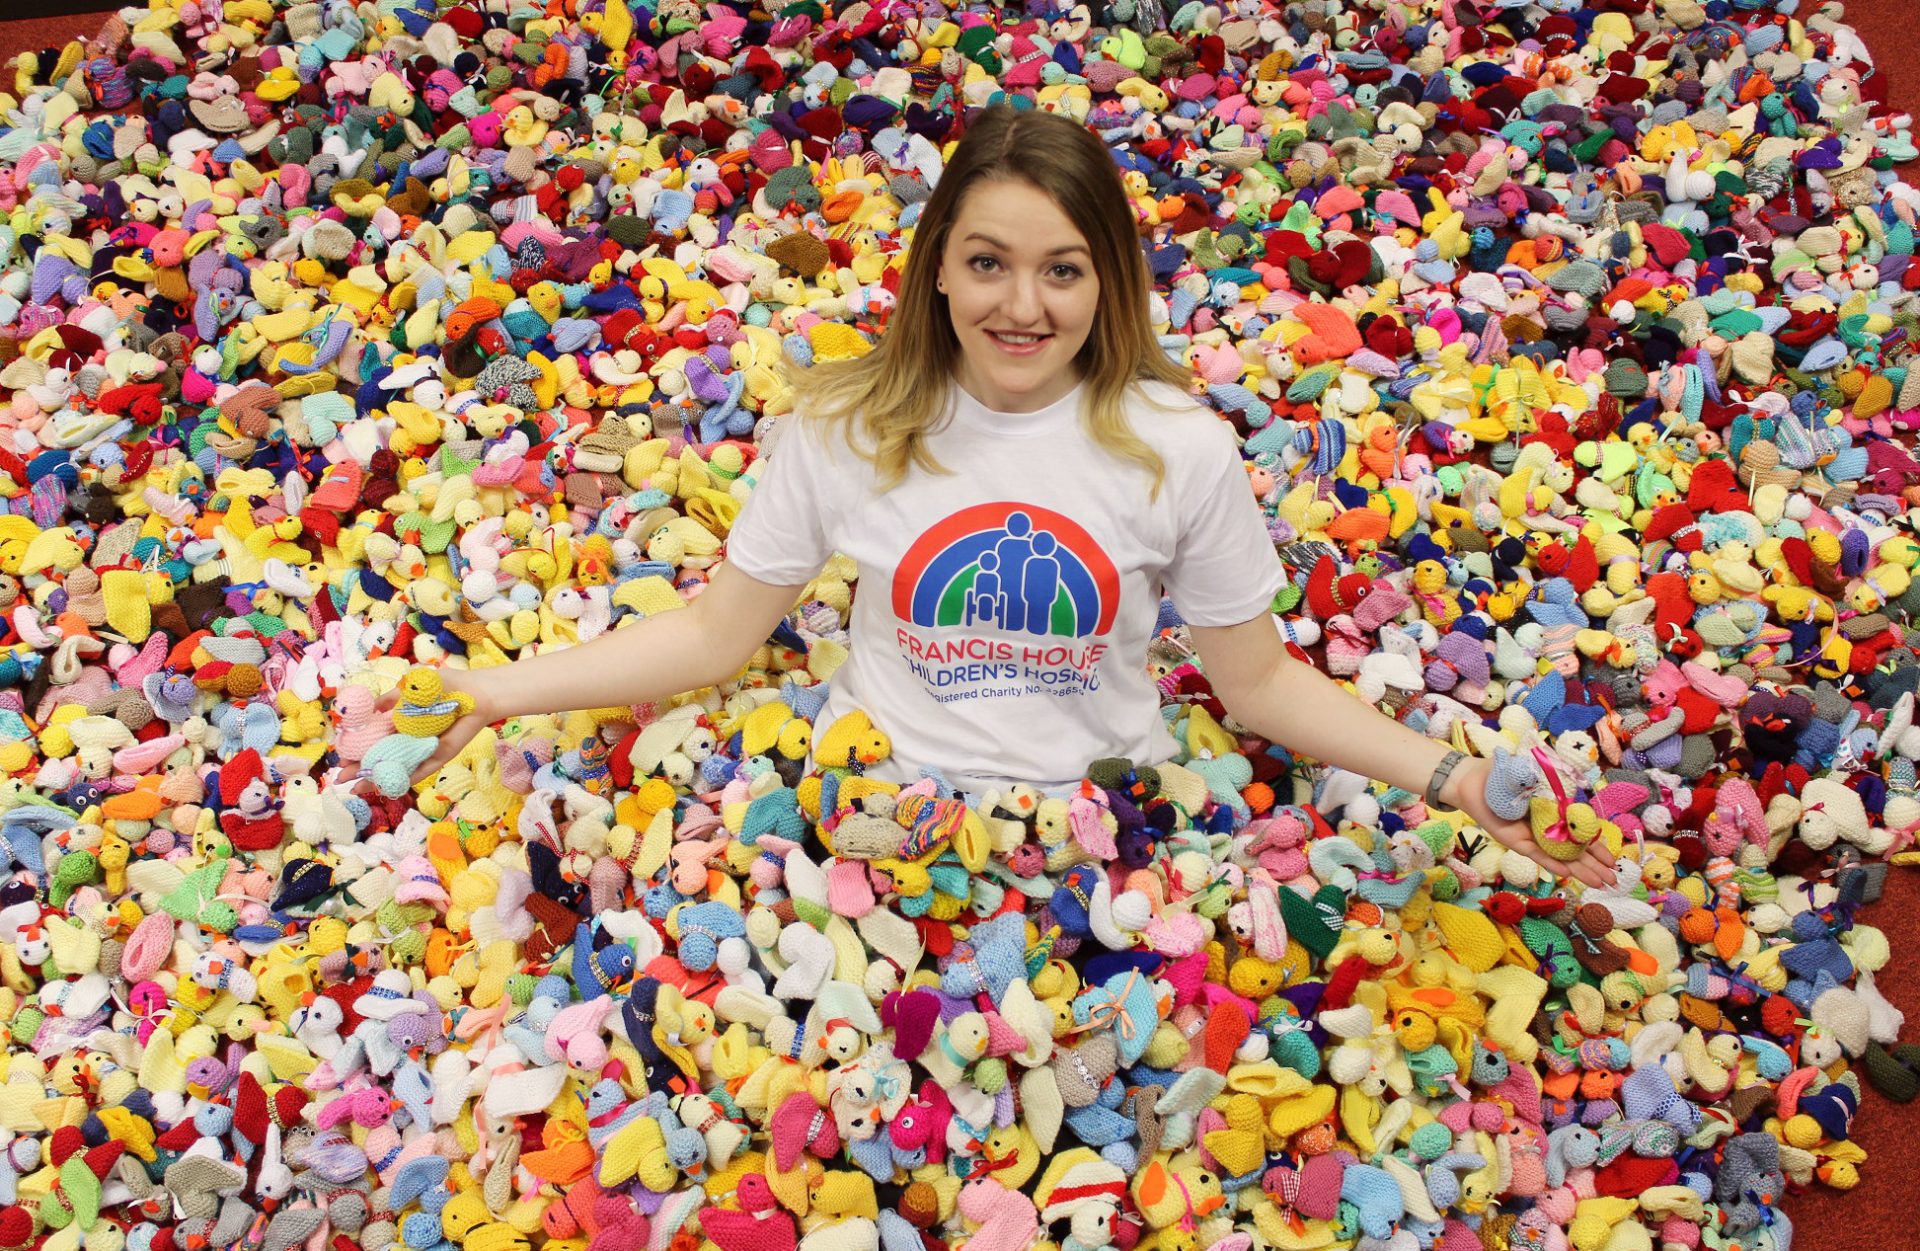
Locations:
1879 1214
47 32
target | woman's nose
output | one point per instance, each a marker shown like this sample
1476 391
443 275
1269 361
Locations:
1026 305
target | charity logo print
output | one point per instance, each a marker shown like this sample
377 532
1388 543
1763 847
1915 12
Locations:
1022 569
1026 587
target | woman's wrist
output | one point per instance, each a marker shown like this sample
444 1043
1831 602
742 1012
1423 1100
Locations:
479 686
1451 790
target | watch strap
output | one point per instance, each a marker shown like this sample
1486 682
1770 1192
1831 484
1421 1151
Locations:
1441 772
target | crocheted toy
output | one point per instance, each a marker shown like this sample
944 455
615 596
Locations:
358 725
759 1225
993 955
219 973
1006 1219
933 822
956 1048
1085 1191
912 1017
351 348
774 726
1179 1201
844 751
391 762
704 932
723 1135
422 712
1129 1003
1831 811
253 818
600 965
1081 1072
1563 831
1510 781
1750 1181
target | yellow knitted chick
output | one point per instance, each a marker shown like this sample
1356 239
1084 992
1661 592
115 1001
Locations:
423 712
1564 838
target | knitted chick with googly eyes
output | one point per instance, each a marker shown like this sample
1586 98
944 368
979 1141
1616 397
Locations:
425 710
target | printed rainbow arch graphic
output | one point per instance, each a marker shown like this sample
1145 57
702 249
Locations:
1017 552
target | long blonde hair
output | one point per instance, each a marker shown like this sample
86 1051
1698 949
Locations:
896 393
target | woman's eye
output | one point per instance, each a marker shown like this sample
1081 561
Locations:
1062 272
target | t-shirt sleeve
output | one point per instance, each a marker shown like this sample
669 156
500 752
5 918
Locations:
1225 569
781 535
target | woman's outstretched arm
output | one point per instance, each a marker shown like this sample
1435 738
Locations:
648 660
1296 705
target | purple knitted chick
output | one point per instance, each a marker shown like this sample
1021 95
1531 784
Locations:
1460 657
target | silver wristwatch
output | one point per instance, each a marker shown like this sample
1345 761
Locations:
1440 774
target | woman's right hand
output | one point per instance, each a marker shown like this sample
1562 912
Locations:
473 682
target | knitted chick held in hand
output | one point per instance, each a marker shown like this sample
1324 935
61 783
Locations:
423 713
1565 833
391 762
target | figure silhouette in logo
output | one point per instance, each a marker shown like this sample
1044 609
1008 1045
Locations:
1013 551
1041 583
986 602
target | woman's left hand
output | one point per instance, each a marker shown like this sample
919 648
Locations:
1466 790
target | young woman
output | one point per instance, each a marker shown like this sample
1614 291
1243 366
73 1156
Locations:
1020 473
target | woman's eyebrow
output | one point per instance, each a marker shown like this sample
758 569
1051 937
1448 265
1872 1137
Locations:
1061 251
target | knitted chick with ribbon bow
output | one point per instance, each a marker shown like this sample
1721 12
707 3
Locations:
1562 826
1564 830
423 712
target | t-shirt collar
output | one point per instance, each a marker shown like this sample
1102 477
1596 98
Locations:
970 414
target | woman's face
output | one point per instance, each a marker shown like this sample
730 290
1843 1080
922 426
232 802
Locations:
1020 287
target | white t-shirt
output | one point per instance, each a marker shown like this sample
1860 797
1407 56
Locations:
1003 611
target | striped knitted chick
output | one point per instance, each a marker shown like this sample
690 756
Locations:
423 713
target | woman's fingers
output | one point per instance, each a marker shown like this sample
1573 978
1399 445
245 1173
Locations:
1593 867
1584 870
1579 870
433 765
1516 837
451 744
1557 868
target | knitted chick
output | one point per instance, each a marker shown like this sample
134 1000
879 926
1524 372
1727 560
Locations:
391 762
422 712
845 751
1565 836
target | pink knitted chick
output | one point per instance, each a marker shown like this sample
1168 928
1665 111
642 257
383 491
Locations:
369 1107
574 1036
1008 1220
760 1225
620 1224
357 724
